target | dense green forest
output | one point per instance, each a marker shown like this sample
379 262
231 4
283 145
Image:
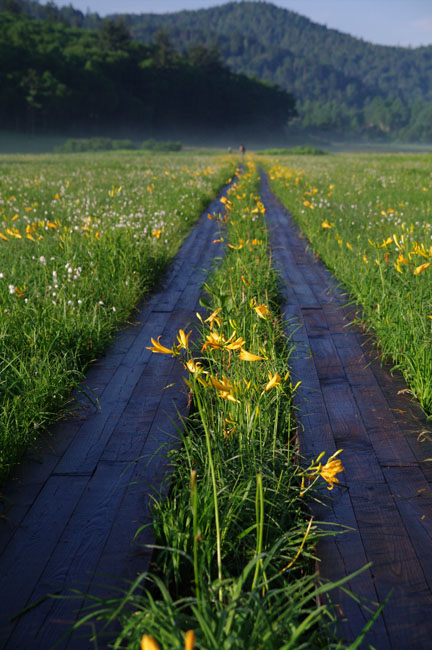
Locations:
341 84
55 77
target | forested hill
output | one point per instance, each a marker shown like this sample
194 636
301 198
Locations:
262 39
341 83
55 77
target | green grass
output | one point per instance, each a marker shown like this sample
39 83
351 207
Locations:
369 219
83 237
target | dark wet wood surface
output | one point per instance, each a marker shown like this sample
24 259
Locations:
78 501
348 401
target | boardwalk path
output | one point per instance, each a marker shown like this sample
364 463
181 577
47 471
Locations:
347 403
76 509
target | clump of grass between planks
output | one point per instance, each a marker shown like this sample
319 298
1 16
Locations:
234 554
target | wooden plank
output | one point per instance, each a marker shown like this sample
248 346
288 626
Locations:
315 433
326 359
390 445
339 317
359 460
51 495
26 556
29 479
355 362
395 567
315 322
72 562
413 498
341 554
361 413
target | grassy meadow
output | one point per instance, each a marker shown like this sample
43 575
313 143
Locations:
369 218
82 238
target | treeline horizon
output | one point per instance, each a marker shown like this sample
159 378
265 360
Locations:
342 84
57 78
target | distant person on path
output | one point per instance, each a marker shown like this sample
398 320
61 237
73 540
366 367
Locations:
242 150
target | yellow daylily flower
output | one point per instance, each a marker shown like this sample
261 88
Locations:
239 246
193 366
262 311
215 341
219 342
224 388
225 201
223 384
149 643
248 356
326 224
190 640
214 318
421 268
183 339
236 344
420 249
158 347
274 380
13 232
328 471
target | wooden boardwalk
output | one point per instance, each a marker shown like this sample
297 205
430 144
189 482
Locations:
347 400
77 504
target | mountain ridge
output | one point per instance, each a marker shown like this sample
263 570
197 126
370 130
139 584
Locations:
339 80
341 83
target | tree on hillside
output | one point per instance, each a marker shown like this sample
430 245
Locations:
114 35
11 6
208 58
164 54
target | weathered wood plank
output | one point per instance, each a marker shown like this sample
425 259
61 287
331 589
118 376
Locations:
341 555
326 359
77 513
72 562
413 498
348 400
395 567
25 558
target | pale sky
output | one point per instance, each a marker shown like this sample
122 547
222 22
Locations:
387 22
